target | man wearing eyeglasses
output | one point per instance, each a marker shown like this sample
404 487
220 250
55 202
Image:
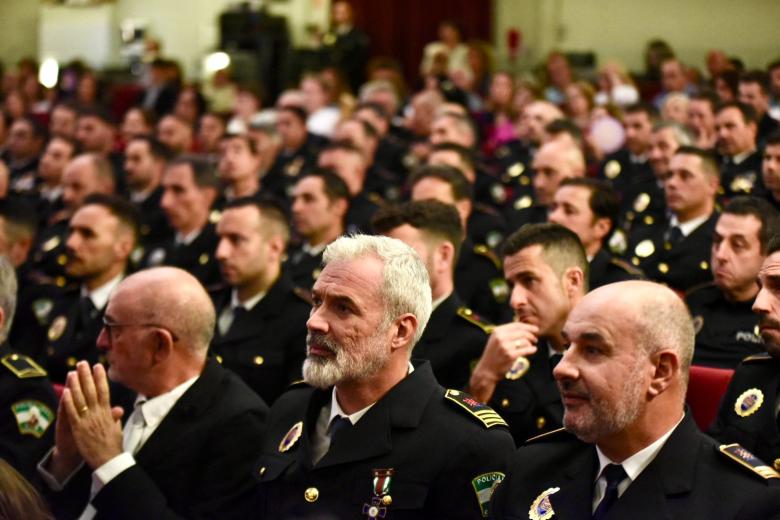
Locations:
189 444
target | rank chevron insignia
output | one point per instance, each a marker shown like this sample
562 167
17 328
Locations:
483 412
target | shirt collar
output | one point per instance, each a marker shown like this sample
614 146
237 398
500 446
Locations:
249 304
336 411
313 250
740 157
187 239
688 227
636 463
155 409
101 295
438 301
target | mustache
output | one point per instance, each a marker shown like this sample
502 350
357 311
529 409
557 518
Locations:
321 340
767 321
572 388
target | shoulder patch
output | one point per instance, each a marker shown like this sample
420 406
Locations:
546 435
485 251
485 414
303 294
746 459
22 366
758 358
475 319
32 417
625 266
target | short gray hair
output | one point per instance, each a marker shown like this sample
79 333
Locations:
406 286
682 135
8 290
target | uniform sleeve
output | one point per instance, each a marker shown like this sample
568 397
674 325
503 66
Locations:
466 486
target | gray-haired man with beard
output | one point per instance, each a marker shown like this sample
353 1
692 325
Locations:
628 449
369 434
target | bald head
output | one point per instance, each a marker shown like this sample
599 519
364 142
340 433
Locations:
186 311
659 318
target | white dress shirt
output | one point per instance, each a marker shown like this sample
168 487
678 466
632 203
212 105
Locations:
633 466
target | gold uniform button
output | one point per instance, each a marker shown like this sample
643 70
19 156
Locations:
540 422
668 246
311 494
219 359
62 259
649 220
387 500
262 471
71 361
635 261
504 402
663 267
259 360
704 265
203 259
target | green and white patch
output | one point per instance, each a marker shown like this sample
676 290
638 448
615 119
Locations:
483 486
32 417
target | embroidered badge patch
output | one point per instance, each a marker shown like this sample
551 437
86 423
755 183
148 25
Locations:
32 417
483 486
291 437
749 402
541 509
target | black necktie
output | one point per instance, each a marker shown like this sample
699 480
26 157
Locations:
554 360
615 474
674 235
337 426
87 311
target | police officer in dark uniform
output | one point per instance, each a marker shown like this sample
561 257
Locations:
629 449
735 123
299 152
726 327
375 436
319 204
748 413
545 264
22 152
347 46
145 161
478 278
48 190
589 207
261 316
27 401
83 175
190 187
677 251
644 204
485 224
455 335
103 233
553 162
630 165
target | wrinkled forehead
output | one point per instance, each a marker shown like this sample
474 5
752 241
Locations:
771 266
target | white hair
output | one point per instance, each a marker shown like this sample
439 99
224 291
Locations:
406 286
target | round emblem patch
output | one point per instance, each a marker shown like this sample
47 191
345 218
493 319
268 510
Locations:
641 202
524 202
644 248
612 169
749 402
519 368
57 328
291 437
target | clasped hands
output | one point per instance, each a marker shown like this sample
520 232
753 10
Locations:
88 427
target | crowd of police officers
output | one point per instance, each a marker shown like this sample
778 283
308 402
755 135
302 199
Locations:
687 201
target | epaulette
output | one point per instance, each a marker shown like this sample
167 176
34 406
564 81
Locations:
625 266
22 366
758 358
483 250
485 414
475 319
699 287
747 460
545 435
303 294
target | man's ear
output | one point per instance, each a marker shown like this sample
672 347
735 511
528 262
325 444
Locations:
666 369
163 345
405 327
574 282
